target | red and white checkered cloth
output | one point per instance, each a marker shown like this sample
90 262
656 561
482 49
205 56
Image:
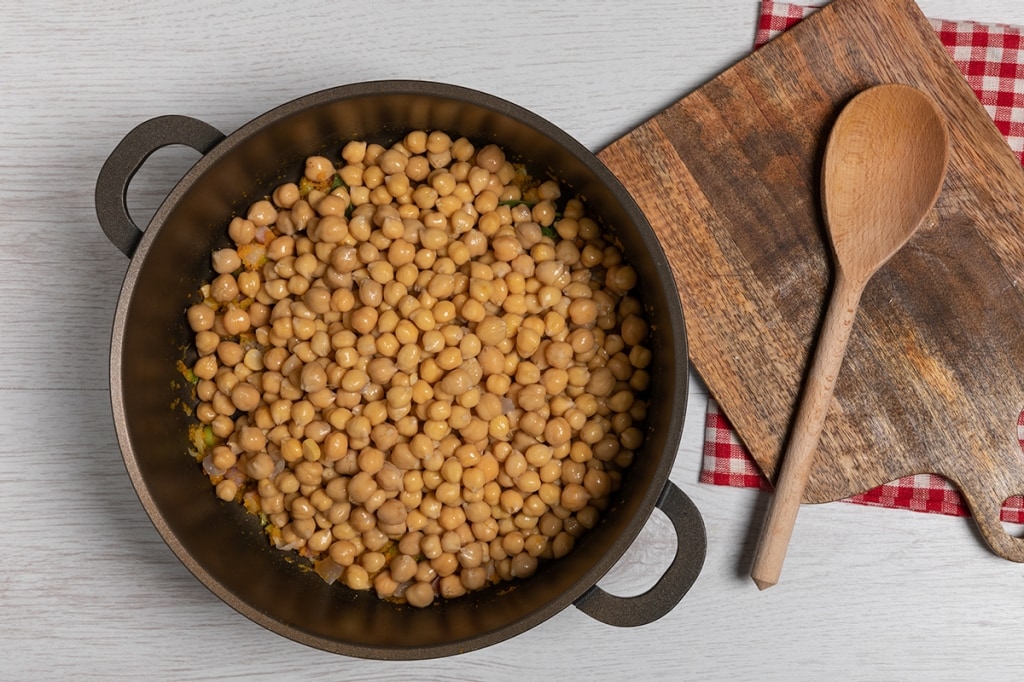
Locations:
991 57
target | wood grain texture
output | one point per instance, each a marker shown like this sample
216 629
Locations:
932 381
88 590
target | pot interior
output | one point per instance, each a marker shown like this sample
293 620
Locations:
224 546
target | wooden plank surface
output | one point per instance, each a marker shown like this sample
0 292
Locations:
729 177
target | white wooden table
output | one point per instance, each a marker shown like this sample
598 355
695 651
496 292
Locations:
87 588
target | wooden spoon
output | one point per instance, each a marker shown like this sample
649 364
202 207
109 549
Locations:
884 167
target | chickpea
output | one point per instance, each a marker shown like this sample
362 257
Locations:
418 362
226 261
262 213
420 594
583 311
319 169
392 512
235 321
201 317
227 489
241 231
491 330
357 578
245 396
490 158
286 195
574 497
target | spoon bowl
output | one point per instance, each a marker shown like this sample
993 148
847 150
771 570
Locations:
884 166
885 163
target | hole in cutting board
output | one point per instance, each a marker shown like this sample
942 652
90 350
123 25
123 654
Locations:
1012 513
1012 516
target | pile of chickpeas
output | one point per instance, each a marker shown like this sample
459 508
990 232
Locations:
422 368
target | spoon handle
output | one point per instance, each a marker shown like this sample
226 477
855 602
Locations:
803 441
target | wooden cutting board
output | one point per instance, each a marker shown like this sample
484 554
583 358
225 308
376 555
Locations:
933 380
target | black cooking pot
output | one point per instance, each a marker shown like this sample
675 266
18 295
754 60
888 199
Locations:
219 542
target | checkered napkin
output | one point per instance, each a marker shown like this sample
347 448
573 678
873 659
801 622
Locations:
991 57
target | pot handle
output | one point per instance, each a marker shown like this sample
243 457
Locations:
126 160
691 546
